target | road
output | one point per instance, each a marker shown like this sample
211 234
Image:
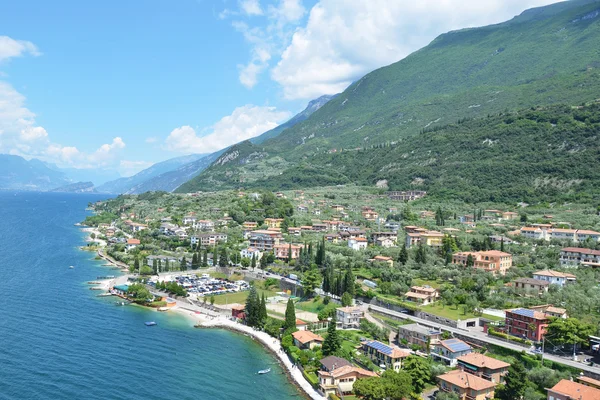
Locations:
485 338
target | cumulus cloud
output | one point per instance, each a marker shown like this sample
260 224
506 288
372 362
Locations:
244 123
251 7
10 48
343 40
269 38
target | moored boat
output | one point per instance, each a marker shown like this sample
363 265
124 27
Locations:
264 371
150 323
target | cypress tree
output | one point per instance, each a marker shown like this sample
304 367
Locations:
349 282
205 259
289 254
263 311
155 266
502 244
195 261
403 256
136 265
253 262
253 308
515 383
160 265
290 315
223 261
332 343
215 256
183 265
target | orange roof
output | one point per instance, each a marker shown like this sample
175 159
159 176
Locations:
346 370
306 337
586 232
481 361
466 381
576 390
133 241
590 381
383 258
555 274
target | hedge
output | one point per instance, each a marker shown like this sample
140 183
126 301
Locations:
506 336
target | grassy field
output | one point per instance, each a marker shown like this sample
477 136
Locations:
240 297
315 306
423 282
453 313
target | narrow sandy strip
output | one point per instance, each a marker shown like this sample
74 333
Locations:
273 345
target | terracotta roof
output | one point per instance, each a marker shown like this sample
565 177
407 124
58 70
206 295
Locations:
306 337
482 361
466 381
591 381
346 370
529 229
576 390
133 241
417 295
586 232
581 250
383 258
555 274
348 309
424 289
495 253
300 322
532 281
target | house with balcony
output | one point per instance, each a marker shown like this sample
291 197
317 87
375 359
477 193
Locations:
349 317
422 295
132 244
554 277
419 335
393 236
466 386
265 240
526 323
211 239
427 238
493 261
250 252
357 243
484 367
448 351
273 222
282 251
340 380
383 259
551 311
576 256
383 355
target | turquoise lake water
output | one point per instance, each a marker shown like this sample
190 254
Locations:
59 341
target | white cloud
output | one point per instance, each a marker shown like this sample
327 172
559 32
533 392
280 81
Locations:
10 48
244 123
129 168
267 39
30 133
343 40
251 7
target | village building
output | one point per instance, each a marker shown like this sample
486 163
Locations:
483 366
250 252
302 208
466 386
348 317
305 339
575 256
370 215
331 363
448 351
547 232
132 244
530 286
136 227
341 379
295 231
383 259
419 335
427 238
385 243
551 311
393 236
494 261
554 277
389 357
357 243
273 222
250 225
211 239
526 323
204 225
569 390
282 251
423 295
265 240
188 219
406 195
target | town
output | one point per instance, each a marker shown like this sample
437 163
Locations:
379 294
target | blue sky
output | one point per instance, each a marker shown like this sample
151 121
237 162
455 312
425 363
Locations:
122 84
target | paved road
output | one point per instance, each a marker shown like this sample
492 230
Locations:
485 338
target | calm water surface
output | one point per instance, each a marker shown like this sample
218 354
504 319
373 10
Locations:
59 341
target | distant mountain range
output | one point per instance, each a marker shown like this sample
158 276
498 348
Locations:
16 173
545 56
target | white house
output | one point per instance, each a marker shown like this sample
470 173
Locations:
357 243
132 244
251 252
554 277
349 317
188 220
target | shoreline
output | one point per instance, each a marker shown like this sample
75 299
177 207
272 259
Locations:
272 345
269 343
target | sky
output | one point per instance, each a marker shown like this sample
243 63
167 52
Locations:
120 85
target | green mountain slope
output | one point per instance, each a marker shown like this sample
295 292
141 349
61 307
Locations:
545 56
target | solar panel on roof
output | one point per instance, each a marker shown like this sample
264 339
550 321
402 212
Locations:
524 312
457 345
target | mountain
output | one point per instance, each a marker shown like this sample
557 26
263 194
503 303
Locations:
547 55
123 185
16 173
78 187
171 180
310 109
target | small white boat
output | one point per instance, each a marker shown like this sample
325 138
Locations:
71 267
264 371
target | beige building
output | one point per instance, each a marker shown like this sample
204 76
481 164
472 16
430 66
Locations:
484 367
422 295
306 339
568 390
341 379
466 386
494 261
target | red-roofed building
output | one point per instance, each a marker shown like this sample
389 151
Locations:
569 390
306 339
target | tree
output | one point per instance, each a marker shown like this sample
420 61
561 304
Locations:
403 256
223 258
372 388
419 371
253 262
183 265
263 311
195 261
570 330
289 257
215 257
155 266
311 280
136 265
290 316
263 262
346 299
421 256
398 385
470 261
441 395
333 342
212 299
139 293
205 259
245 262
515 383
253 308
349 282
